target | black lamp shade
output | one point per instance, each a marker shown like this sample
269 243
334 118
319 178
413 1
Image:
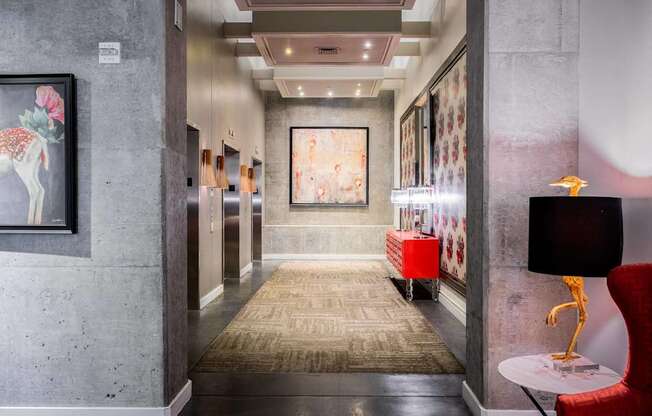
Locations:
575 236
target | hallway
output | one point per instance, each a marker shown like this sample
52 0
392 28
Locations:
316 394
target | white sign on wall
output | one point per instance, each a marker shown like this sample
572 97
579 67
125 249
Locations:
109 52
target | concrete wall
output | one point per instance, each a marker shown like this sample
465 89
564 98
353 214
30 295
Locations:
615 147
174 213
221 97
87 317
329 230
530 139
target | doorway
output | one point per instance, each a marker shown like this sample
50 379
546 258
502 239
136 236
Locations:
231 204
257 214
193 160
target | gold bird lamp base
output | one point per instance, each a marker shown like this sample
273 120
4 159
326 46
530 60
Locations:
575 284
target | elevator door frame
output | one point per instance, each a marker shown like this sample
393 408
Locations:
257 211
193 160
231 214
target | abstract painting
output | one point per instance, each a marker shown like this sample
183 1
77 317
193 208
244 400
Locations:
408 163
36 154
448 171
329 166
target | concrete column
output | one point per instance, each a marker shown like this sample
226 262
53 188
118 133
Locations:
529 55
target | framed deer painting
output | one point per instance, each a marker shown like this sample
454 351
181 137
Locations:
37 154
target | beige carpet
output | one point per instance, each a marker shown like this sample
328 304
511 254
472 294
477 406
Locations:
329 317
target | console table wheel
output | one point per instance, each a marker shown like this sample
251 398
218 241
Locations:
436 287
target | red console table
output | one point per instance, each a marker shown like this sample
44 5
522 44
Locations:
414 257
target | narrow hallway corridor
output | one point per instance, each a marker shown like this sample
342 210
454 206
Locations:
356 394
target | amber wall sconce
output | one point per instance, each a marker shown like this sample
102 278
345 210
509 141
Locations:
251 177
222 179
244 179
207 178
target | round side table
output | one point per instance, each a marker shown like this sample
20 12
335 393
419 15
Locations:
533 372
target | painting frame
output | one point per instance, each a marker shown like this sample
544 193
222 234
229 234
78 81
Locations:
365 204
456 57
69 182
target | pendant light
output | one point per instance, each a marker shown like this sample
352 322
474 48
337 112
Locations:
207 177
222 179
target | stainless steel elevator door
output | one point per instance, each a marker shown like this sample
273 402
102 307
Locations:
257 215
231 202
192 197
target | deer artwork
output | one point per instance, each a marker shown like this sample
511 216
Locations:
24 150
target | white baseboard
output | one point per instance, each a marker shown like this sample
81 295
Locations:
477 409
283 256
173 409
455 304
246 269
210 296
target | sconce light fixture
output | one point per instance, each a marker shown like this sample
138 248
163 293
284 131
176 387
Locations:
222 179
251 178
207 177
244 179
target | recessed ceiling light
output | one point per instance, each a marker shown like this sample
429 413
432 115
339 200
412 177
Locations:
299 87
330 93
288 51
357 92
359 84
301 93
365 56
367 45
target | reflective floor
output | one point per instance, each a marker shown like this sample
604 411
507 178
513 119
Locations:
316 394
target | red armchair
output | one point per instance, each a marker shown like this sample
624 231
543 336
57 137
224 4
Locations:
631 288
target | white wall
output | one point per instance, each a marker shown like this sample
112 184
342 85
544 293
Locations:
615 149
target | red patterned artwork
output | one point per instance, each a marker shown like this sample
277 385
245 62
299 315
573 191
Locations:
449 169
408 160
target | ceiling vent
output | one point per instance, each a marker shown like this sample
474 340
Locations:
327 51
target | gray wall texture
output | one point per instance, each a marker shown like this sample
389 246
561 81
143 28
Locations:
92 319
529 137
327 230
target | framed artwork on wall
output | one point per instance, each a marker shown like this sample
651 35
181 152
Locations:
408 160
37 154
449 166
329 166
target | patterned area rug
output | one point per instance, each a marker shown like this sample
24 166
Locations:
328 317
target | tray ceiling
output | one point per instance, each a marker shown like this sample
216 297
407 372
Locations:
324 4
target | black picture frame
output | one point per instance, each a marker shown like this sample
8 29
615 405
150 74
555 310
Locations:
303 204
69 220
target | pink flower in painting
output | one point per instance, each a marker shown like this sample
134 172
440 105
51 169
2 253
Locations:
464 223
50 100
459 254
444 220
455 152
454 222
444 153
449 246
451 120
461 112
435 219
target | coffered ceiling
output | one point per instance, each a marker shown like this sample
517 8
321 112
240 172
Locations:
316 36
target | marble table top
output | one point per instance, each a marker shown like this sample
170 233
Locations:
535 372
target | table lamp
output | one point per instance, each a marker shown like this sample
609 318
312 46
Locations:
574 237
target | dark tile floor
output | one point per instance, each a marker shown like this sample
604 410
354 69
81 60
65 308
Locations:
316 394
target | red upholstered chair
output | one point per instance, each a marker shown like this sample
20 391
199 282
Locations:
631 288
